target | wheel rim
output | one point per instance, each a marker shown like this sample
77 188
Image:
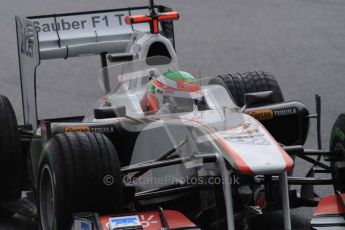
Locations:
46 199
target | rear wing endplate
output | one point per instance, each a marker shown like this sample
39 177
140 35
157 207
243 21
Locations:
72 35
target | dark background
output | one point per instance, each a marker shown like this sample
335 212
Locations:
300 41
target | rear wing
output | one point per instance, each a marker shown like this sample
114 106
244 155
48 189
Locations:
72 35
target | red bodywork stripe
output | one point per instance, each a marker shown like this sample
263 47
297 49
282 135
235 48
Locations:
330 205
155 26
240 164
177 220
143 18
288 160
169 16
152 221
137 19
128 20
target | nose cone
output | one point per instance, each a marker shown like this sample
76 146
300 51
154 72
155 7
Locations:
251 150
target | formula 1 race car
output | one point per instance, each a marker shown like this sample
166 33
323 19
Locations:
161 149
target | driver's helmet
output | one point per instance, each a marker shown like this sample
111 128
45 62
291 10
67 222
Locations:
174 88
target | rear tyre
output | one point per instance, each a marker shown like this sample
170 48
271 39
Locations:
337 144
79 172
250 82
4 213
11 160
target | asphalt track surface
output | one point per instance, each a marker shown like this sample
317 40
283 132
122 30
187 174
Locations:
302 42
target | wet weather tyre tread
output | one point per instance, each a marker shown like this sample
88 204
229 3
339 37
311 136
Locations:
337 142
79 163
250 82
11 160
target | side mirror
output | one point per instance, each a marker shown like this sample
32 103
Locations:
120 57
258 98
110 112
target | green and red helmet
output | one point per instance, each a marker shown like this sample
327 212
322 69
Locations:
177 84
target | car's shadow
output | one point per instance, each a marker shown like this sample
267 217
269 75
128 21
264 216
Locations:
300 218
17 223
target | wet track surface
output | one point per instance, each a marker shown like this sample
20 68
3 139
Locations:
302 42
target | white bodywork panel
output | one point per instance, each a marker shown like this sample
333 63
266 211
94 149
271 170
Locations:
252 150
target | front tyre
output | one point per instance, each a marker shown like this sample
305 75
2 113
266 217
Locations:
11 157
238 85
337 145
72 178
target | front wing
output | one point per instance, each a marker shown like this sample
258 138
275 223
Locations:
150 220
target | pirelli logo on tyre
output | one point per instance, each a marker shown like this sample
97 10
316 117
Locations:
77 129
262 115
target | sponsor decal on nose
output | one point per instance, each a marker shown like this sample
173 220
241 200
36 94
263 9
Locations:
262 115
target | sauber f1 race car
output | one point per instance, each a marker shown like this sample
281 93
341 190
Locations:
163 148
